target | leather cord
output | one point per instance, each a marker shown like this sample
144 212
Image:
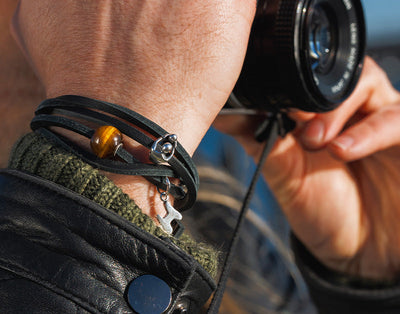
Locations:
73 101
68 111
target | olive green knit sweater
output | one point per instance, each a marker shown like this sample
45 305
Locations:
36 155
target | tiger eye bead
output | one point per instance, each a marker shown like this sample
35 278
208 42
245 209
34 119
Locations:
105 141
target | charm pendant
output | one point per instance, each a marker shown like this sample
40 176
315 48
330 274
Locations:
172 214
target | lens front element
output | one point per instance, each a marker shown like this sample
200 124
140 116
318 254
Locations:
330 50
322 30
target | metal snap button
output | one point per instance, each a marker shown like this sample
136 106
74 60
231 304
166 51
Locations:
149 294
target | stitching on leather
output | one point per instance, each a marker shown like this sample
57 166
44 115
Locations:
28 178
148 246
25 273
144 243
65 253
47 285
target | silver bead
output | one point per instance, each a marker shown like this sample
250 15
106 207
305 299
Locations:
167 148
172 138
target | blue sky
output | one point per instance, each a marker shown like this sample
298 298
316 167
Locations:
383 22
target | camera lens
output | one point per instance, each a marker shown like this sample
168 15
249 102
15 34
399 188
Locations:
322 33
304 54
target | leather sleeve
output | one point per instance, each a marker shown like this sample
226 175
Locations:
333 296
62 253
21 295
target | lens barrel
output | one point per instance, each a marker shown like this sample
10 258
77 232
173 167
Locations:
304 54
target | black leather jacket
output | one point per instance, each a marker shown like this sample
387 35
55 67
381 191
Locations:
61 253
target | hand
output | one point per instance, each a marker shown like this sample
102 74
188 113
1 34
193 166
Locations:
337 179
175 62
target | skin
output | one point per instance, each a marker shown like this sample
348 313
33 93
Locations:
176 63
20 90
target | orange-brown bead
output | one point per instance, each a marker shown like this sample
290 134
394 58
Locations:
105 141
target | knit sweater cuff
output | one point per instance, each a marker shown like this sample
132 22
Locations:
36 155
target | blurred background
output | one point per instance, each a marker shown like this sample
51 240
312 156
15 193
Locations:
264 278
383 29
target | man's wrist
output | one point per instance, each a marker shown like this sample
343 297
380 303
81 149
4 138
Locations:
186 117
83 115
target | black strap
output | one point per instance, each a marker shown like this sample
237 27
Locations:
132 165
64 112
73 101
278 125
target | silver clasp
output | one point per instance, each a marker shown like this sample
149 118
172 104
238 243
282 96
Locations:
163 149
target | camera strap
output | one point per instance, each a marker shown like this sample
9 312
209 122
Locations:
275 126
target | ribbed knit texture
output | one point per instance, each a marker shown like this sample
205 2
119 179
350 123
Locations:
36 155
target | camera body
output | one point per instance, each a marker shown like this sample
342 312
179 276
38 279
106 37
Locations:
304 54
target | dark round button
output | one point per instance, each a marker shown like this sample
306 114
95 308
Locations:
149 294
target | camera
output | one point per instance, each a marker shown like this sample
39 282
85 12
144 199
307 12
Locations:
303 54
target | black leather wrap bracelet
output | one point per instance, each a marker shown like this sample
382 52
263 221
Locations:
168 159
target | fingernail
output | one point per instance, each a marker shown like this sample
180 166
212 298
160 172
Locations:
314 132
344 142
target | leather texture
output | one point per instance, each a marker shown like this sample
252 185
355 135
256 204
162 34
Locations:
62 253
